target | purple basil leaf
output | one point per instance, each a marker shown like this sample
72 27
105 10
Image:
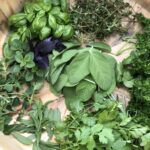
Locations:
59 46
42 61
45 47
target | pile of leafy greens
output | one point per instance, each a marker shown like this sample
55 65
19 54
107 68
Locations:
138 66
35 52
102 125
81 73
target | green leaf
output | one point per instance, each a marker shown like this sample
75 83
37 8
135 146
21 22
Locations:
78 68
119 144
91 143
85 133
85 90
8 54
29 57
101 70
66 56
101 46
29 76
35 146
61 82
30 64
54 75
8 87
22 139
78 135
146 141
71 100
96 129
19 57
54 115
71 45
138 131
106 135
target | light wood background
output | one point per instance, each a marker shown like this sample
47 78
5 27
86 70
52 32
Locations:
8 7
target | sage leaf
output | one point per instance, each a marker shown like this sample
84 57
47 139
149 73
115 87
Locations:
68 55
71 100
85 90
61 82
56 73
101 46
101 70
78 69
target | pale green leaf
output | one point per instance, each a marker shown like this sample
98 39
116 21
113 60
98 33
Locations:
22 139
78 69
96 128
101 70
61 82
101 46
91 143
85 90
66 56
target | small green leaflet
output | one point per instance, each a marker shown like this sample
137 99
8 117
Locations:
106 135
22 139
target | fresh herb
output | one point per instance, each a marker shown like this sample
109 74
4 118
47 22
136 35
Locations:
138 66
79 72
99 18
43 48
104 124
42 19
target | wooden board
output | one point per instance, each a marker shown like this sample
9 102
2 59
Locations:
7 7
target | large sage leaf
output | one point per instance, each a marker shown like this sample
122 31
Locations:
67 55
61 82
85 90
56 73
101 70
71 100
78 69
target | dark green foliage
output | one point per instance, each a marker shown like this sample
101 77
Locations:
138 64
99 18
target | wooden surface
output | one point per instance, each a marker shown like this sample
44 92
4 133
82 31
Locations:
7 7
